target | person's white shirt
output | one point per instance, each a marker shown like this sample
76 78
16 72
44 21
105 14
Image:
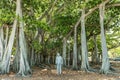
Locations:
59 59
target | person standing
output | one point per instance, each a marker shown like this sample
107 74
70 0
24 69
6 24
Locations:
59 63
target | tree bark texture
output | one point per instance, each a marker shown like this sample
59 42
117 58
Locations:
64 51
5 64
75 49
24 65
84 63
105 60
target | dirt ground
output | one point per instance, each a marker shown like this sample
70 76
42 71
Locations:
67 74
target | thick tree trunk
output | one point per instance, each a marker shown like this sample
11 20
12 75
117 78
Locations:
24 66
105 60
64 50
84 63
75 49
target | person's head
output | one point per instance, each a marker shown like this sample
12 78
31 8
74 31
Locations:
58 54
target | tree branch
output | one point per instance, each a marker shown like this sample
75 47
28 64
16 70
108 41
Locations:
47 11
96 7
115 46
113 5
90 11
60 8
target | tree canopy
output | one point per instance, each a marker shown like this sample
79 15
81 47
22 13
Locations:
48 24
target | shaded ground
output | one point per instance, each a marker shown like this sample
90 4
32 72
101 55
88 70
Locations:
50 74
